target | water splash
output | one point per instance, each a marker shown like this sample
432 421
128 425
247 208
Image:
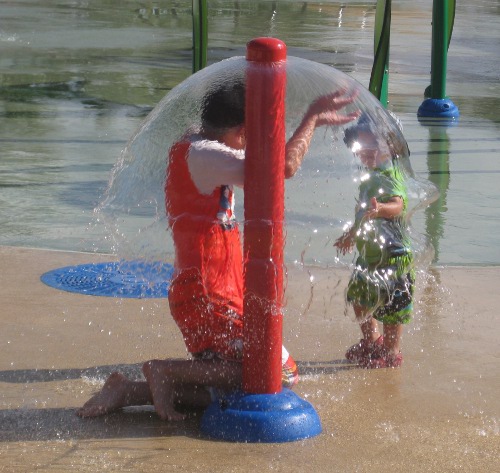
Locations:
319 200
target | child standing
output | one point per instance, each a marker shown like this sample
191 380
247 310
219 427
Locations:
381 287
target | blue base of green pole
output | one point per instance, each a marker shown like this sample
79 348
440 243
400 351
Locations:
267 418
438 108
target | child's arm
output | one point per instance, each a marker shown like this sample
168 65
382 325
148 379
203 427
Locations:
323 111
391 209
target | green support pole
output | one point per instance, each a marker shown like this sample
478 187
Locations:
439 53
437 104
200 34
379 79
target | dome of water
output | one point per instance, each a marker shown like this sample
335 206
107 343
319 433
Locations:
320 199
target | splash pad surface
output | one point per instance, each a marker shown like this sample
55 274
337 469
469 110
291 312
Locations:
447 419
440 411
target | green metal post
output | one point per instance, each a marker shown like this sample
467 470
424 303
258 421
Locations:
379 79
439 60
437 104
200 34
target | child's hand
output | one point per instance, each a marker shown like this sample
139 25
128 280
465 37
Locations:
374 210
326 108
345 243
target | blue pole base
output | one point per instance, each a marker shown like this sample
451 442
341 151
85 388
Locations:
438 108
242 417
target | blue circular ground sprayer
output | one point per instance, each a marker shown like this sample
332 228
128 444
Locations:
266 418
124 279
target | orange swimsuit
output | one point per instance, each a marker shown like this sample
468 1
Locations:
206 294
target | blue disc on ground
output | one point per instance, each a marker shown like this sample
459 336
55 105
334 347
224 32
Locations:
128 279
242 417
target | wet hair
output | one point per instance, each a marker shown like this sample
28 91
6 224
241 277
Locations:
395 141
224 107
364 124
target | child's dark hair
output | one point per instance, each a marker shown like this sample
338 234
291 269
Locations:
364 124
224 107
395 141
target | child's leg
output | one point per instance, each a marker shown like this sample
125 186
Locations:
392 338
390 355
118 391
170 380
370 330
395 312
371 341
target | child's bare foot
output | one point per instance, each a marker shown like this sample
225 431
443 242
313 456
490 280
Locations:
172 414
110 398
162 389
384 360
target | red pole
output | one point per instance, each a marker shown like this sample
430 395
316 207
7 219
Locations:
264 213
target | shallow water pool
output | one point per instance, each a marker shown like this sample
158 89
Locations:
77 79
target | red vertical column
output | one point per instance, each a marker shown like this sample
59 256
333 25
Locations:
264 214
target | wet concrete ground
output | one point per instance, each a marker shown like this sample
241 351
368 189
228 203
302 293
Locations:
439 412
